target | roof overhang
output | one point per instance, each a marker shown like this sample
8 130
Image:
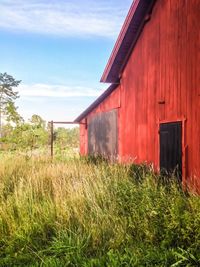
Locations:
133 25
138 15
105 94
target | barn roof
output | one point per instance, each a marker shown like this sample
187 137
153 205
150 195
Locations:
105 94
133 25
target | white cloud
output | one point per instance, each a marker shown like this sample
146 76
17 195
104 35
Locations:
48 90
64 17
55 102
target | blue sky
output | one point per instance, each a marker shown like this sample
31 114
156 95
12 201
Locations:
59 49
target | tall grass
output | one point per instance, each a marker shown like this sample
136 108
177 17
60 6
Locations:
75 212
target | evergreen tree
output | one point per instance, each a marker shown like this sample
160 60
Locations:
7 94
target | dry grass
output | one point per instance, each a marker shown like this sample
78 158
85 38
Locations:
76 213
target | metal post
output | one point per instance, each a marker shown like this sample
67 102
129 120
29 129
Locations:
62 122
52 139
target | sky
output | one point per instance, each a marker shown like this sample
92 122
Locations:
58 49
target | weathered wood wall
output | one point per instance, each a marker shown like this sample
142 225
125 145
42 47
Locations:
161 83
164 66
110 103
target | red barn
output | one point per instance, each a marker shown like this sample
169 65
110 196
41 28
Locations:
151 111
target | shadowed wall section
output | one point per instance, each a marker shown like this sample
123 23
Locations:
103 134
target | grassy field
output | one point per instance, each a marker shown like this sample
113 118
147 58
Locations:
77 212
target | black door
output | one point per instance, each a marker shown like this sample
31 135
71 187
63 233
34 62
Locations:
171 149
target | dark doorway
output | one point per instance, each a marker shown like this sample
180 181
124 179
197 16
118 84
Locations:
171 149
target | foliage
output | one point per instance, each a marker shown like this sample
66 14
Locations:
67 137
77 213
11 114
37 121
34 136
17 134
25 135
7 96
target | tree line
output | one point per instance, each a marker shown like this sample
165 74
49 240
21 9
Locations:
16 133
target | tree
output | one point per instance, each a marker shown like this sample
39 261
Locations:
7 94
37 121
67 137
11 114
25 135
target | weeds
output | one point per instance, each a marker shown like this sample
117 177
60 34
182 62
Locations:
80 212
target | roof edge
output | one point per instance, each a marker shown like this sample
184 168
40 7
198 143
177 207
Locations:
127 39
105 94
119 39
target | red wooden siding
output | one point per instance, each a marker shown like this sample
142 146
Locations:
83 139
164 66
161 83
111 102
